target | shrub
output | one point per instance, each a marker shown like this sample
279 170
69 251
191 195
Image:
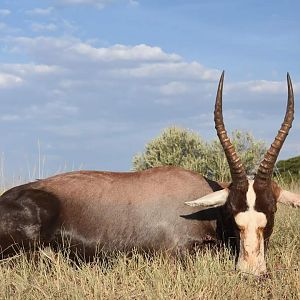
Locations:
176 147
186 149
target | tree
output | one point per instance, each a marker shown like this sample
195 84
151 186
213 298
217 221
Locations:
181 147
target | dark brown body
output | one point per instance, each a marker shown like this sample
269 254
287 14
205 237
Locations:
112 211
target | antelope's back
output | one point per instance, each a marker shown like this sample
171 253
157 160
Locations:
139 209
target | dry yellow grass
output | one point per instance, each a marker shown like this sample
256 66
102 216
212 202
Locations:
208 275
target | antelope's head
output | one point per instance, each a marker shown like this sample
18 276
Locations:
251 204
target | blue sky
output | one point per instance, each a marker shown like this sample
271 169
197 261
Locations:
88 82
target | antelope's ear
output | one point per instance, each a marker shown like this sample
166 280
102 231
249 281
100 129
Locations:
214 199
284 196
289 198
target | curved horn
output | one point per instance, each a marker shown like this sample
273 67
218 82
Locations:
265 169
237 171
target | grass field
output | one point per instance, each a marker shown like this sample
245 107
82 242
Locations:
208 275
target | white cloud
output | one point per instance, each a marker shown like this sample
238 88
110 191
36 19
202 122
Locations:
40 11
121 52
174 88
179 69
53 110
9 117
12 75
43 27
134 2
7 30
24 70
2 26
98 3
8 80
89 128
260 87
263 86
45 68
50 110
4 12
73 50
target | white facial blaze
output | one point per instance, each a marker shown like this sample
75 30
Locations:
251 224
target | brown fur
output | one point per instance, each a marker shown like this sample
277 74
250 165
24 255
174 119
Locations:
113 211
266 202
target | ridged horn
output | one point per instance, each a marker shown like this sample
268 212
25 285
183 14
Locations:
266 167
238 174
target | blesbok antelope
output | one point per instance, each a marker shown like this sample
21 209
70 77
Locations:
147 210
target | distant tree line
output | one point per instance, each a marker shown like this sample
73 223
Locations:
289 169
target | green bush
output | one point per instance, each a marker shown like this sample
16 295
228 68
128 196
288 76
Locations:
181 147
176 147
